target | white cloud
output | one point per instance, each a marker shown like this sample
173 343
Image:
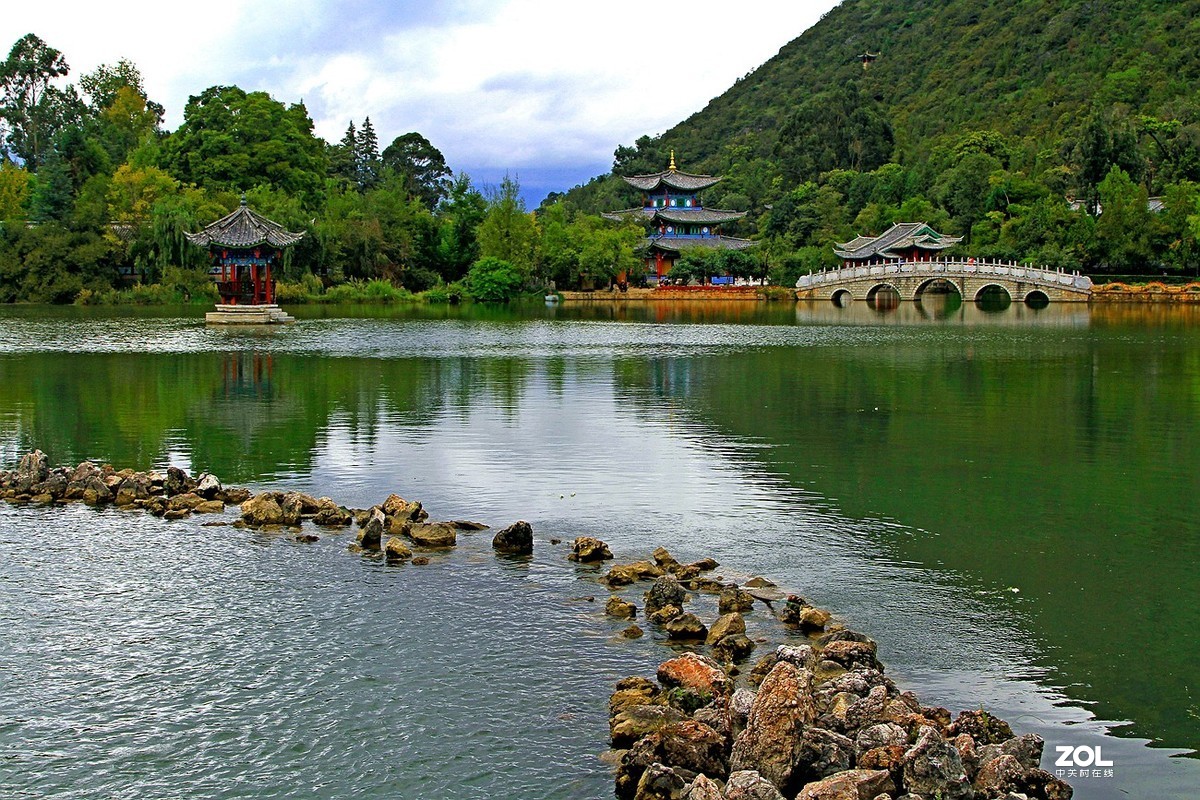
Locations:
520 85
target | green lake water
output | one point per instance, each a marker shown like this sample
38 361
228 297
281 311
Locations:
1006 500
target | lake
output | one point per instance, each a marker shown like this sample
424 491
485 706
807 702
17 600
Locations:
1005 499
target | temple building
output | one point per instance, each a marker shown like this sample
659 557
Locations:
676 218
244 247
904 241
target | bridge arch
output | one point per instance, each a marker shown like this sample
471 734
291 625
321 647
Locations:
1036 298
884 296
842 297
983 291
936 281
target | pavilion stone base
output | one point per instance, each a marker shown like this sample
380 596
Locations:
248 315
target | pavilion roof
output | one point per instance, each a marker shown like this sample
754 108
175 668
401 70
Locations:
891 243
694 216
244 228
677 244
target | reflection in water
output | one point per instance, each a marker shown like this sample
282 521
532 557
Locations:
948 309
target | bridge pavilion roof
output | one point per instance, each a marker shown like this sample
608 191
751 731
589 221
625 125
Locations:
242 229
897 240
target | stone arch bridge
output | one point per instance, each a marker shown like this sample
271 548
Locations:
971 278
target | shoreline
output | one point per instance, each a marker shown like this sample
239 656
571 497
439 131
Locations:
814 715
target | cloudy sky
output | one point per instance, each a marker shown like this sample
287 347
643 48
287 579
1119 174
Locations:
539 89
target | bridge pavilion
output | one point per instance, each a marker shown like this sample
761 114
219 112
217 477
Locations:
676 219
244 246
904 241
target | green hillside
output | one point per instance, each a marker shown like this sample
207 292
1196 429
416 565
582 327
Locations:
1055 93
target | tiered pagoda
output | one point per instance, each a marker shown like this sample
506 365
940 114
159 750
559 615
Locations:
904 241
244 247
676 219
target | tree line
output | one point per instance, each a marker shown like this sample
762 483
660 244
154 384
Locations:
95 198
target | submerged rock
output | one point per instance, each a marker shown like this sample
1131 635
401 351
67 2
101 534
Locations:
516 539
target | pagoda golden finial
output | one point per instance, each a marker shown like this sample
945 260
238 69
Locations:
672 167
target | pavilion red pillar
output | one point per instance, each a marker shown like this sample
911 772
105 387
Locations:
269 287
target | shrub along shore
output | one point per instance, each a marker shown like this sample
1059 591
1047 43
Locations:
813 717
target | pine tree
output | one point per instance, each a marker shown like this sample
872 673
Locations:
343 156
366 156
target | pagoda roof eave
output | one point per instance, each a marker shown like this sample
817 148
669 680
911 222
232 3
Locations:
673 178
244 228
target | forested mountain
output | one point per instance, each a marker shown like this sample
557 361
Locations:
1036 98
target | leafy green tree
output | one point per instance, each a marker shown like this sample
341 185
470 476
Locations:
494 280
231 140
605 250
508 232
1123 228
459 217
15 185
32 108
422 166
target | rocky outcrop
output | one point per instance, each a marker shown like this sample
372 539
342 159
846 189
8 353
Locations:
516 539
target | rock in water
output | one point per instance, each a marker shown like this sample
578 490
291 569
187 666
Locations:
586 550
726 625
177 482
933 768
773 741
665 591
433 534
735 600
621 609
516 539
33 468
207 486
686 627
262 510
396 550
696 672
371 534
